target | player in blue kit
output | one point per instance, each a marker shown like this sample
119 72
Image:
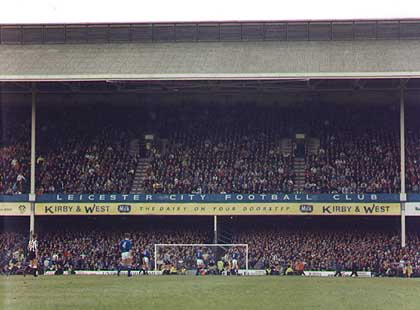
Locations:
235 258
200 261
126 256
145 261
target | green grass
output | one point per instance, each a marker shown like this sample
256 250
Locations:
188 292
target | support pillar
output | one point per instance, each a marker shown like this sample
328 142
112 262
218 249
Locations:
215 229
403 195
32 190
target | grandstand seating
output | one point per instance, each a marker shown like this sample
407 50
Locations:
88 154
221 150
413 151
358 154
14 152
209 149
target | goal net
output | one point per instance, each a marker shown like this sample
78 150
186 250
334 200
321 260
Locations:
185 256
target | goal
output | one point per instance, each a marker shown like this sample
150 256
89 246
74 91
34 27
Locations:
183 255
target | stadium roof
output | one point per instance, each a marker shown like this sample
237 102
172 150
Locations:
211 51
343 30
211 60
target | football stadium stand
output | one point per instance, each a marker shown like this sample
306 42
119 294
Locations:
300 126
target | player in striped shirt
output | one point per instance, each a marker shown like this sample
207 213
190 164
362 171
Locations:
33 254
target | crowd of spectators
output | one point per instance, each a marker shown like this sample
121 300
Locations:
359 152
221 149
14 152
78 151
12 253
209 149
322 244
413 152
272 244
323 250
97 250
85 154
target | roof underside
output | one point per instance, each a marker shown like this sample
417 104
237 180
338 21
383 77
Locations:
211 60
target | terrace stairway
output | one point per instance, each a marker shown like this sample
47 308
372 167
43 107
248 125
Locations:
299 163
139 147
299 169
140 175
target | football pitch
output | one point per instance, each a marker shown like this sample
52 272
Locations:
188 292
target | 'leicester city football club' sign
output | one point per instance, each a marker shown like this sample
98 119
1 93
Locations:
219 198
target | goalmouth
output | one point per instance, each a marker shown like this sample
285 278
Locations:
223 247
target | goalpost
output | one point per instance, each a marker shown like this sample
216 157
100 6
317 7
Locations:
213 246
